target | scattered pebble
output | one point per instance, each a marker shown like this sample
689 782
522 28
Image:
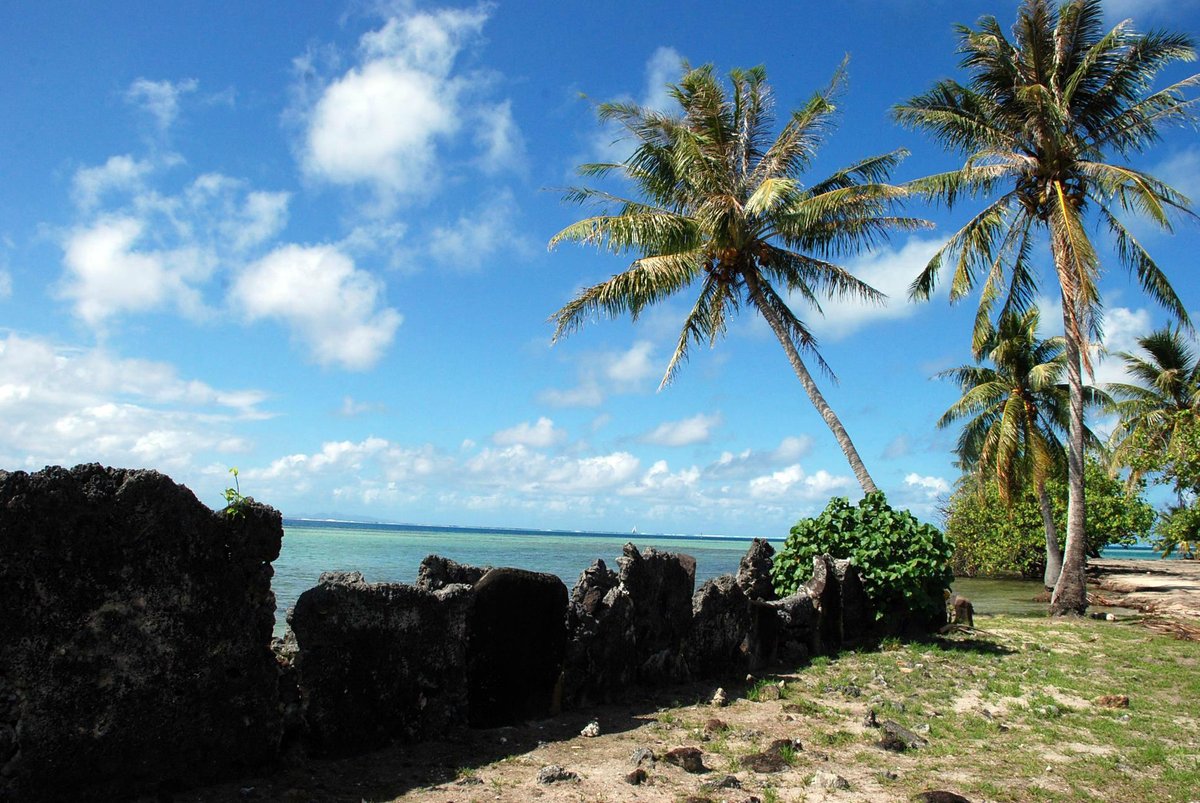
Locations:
552 773
940 796
769 692
719 699
690 759
828 780
643 755
728 782
591 730
637 777
1112 700
715 725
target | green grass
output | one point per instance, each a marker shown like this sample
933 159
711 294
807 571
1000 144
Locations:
1001 709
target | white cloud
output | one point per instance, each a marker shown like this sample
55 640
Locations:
887 270
120 173
499 139
930 487
64 406
689 431
107 274
1122 328
660 482
381 122
351 408
603 373
477 235
159 98
664 67
794 482
751 462
539 435
1182 171
334 308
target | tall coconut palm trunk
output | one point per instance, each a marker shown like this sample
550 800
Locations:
1070 593
1054 556
754 289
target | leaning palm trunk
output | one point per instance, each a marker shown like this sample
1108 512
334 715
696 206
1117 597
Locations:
1054 557
1070 593
810 386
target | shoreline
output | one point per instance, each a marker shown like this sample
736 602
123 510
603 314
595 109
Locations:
1162 587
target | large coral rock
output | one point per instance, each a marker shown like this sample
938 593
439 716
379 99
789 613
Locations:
719 642
601 660
134 635
754 571
517 640
660 586
380 661
436 572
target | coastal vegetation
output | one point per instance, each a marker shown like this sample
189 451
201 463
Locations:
720 204
996 536
1045 122
904 563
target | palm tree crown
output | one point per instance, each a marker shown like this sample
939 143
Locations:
1040 121
1167 397
722 204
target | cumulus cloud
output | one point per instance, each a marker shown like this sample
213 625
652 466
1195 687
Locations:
688 432
382 122
610 143
540 435
753 462
929 487
108 274
65 405
121 173
332 307
794 482
478 235
886 269
605 373
159 99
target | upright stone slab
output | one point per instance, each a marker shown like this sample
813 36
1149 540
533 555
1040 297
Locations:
797 625
719 642
754 571
134 636
660 586
601 660
380 661
858 612
823 587
517 639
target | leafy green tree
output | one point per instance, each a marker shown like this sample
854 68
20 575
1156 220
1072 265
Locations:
904 563
1013 414
993 537
1045 123
1158 433
722 205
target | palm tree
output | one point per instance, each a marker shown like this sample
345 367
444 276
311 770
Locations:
722 204
1041 124
1014 414
1152 413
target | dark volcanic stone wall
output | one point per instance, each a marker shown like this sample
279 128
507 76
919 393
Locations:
134 636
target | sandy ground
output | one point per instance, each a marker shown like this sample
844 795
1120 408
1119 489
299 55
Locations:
1164 587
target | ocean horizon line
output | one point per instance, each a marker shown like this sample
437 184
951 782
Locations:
479 529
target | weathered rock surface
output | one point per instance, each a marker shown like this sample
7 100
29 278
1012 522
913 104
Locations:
660 586
517 641
754 571
601 656
857 619
718 644
436 572
134 640
380 661
689 759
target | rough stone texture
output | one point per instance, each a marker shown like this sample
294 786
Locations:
754 571
379 661
601 657
134 640
799 623
436 572
823 587
719 642
660 586
857 619
517 640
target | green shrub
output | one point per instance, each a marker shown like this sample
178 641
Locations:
993 539
903 562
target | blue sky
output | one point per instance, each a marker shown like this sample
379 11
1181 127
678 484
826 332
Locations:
309 241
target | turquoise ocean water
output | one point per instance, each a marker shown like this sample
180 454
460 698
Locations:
393 552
